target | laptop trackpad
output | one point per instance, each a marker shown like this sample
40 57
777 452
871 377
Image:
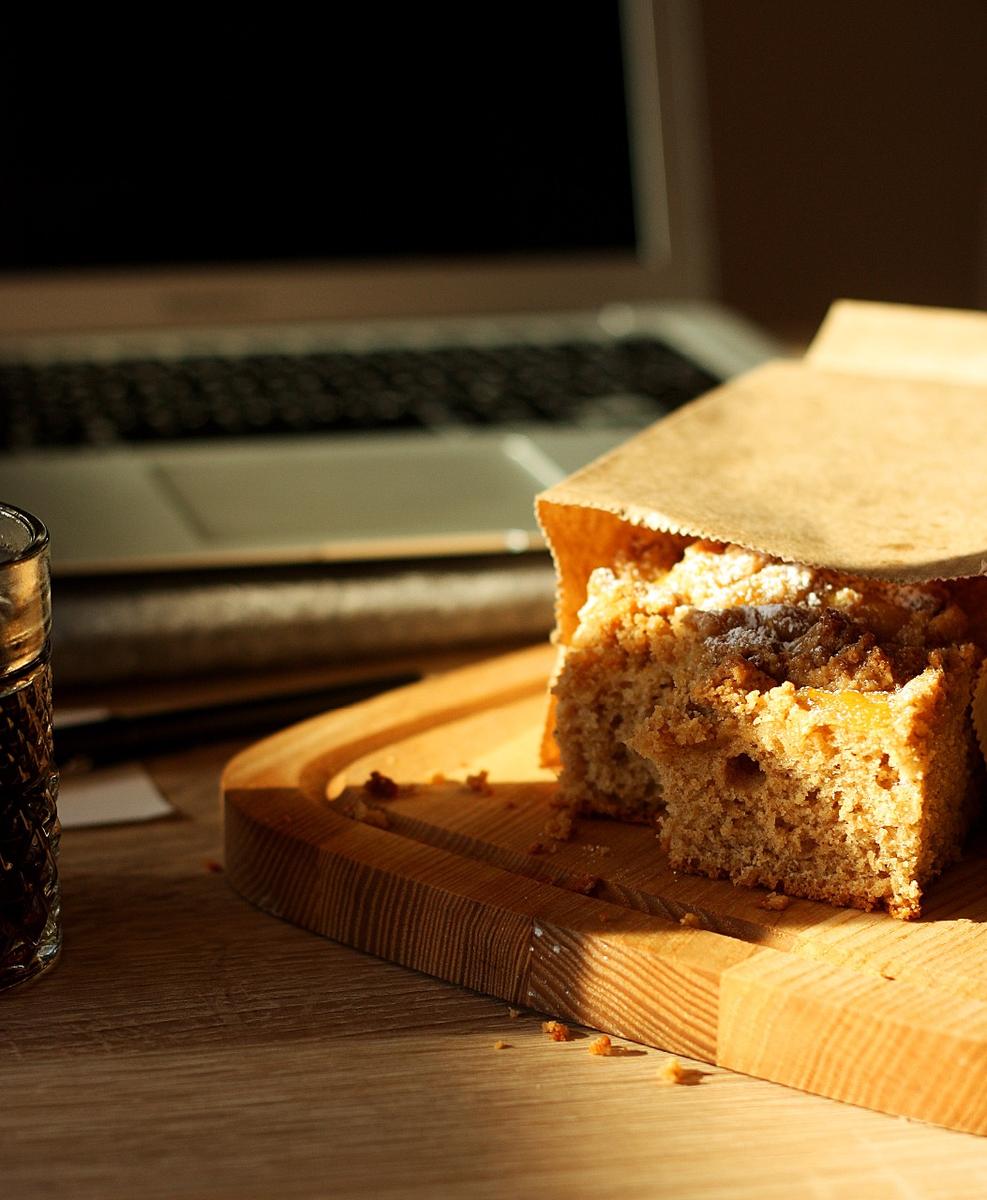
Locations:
312 492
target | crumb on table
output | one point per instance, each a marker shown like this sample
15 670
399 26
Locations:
774 901
672 1071
501 1045
556 1031
690 920
601 1046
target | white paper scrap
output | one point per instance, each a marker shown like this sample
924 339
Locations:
65 718
110 796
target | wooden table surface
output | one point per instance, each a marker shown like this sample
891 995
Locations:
188 1045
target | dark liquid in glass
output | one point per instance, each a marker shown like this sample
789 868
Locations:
29 830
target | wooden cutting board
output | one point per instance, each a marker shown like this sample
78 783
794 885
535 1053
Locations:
459 875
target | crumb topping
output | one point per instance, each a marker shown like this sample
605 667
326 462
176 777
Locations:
765 622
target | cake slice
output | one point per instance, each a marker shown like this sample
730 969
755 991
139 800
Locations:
785 726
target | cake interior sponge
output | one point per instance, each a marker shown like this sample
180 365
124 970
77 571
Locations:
785 726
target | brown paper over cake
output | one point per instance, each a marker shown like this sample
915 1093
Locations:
772 616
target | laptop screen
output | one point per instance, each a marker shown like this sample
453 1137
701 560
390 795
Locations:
375 133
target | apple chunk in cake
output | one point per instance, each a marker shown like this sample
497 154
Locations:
787 726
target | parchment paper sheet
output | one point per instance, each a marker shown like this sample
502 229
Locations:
869 457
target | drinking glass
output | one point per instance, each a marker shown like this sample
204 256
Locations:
30 924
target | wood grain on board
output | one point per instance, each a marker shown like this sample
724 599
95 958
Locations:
465 881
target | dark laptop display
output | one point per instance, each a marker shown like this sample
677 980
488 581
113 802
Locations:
380 134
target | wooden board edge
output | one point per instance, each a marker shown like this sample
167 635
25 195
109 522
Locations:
468 922
854 1036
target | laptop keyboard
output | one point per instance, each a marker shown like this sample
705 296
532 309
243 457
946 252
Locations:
589 384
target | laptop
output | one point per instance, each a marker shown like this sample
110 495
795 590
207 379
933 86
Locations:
515 199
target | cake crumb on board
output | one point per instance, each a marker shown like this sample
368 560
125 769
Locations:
540 847
559 828
585 885
381 786
560 825
369 814
479 783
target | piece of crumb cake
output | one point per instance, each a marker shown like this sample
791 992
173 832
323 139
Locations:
787 726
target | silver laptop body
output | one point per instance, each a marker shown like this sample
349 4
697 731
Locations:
458 488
